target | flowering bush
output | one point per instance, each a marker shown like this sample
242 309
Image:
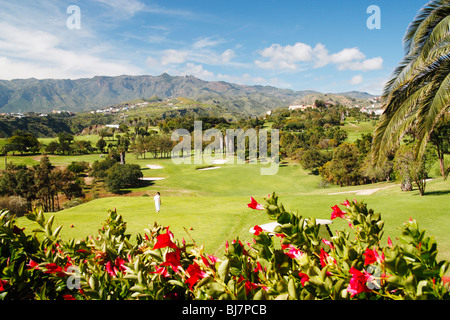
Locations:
294 263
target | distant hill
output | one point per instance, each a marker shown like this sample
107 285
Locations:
99 92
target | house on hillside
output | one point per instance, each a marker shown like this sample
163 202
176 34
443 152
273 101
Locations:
302 107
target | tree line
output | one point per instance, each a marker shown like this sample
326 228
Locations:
41 184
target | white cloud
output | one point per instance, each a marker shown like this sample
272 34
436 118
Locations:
347 55
321 56
196 71
365 65
285 57
26 53
356 79
128 7
205 42
227 55
172 56
290 57
200 52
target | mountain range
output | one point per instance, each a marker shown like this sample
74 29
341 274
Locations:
33 95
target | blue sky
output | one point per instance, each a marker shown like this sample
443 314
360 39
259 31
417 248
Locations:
321 45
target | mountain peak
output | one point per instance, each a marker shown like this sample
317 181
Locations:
102 91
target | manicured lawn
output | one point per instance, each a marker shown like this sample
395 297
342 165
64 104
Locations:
213 203
355 129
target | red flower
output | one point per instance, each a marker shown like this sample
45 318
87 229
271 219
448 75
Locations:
32 265
114 267
372 256
323 258
68 297
346 203
255 205
304 278
258 230
213 258
172 260
195 274
389 241
248 285
293 252
337 212
120 263
53 268
162 271
165 240
258 268
328 243
2 282
111 269
358 281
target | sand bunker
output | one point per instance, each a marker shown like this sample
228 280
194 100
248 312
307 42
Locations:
154 166
209 168
152 178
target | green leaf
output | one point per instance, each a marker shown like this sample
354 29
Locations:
137 288
292 289
261 294
224 270
57 231
176 283
283 296
214 289
31 216
204 282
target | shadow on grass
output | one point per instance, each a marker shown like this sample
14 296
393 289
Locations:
436 193
140 184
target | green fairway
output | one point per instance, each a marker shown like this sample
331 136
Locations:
210 205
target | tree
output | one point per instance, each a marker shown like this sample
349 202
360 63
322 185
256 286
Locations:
101 144
343 169
100 168
123 175
65 142
18 181
313 159
52 147
418 94
440 139
43 183
22 142
410 169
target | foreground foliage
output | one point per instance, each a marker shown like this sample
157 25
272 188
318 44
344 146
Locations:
294 263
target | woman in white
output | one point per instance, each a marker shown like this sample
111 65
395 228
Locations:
157 199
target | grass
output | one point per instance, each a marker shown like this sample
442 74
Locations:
355 129
210 206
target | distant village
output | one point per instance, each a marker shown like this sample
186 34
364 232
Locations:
373 105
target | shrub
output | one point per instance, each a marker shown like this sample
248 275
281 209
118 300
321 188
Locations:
122 176
15 204
296 263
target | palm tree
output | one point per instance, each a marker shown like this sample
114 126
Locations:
416 98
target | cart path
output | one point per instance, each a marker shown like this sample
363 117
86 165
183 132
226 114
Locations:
365 192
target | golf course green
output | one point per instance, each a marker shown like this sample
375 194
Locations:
210 206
